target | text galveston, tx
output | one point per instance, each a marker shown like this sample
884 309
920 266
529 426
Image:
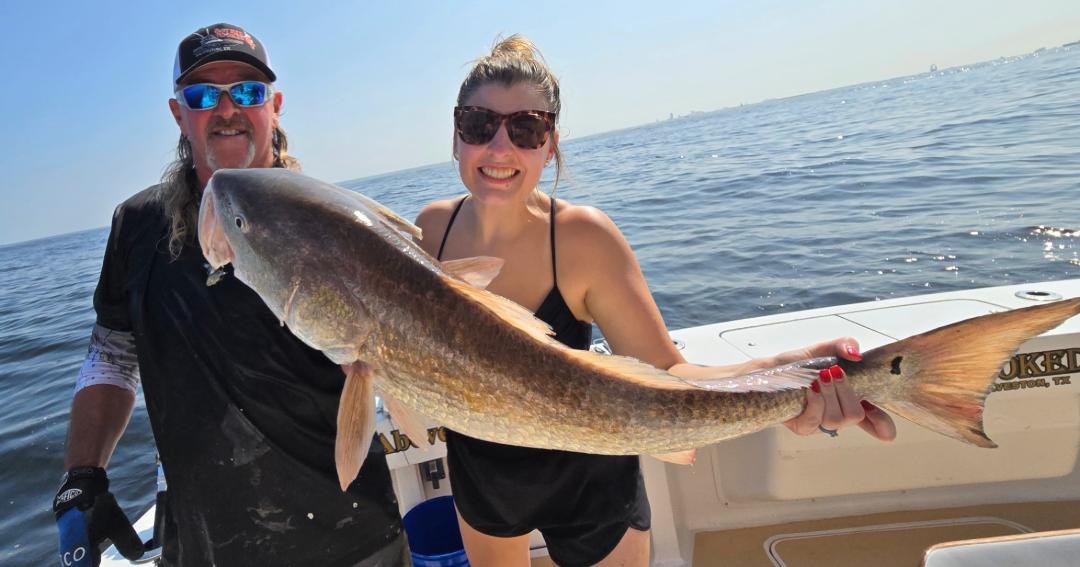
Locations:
1029 369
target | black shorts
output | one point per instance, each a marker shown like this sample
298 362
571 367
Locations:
581 503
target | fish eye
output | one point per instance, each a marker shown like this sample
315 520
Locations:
240 223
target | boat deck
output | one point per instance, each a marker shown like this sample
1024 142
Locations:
892 539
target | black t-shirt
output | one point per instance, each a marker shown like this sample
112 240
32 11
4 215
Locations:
243 413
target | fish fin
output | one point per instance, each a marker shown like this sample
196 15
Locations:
393 219
398 222
680 458
619 367
509 311
477 271
956 366
794 376
355 422
630 369
409 422
344 355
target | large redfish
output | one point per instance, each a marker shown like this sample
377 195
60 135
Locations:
344 274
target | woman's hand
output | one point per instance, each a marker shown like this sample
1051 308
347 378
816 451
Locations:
830 402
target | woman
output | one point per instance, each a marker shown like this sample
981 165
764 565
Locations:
572 266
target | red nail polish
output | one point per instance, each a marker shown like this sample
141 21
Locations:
815 386
823 374
853 352
836 373
867 406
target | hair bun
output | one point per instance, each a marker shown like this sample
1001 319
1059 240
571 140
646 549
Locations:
516 45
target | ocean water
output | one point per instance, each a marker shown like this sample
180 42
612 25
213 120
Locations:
962 178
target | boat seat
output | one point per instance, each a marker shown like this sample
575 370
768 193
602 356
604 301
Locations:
1045 549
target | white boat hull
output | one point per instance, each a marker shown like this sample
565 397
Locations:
774 477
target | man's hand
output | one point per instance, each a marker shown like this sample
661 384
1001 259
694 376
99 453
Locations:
87 515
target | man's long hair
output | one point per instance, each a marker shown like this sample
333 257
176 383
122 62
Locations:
180 193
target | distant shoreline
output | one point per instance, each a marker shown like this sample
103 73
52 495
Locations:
693 114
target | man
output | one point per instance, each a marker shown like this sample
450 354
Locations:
243 413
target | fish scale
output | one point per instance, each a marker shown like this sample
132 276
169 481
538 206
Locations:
413 329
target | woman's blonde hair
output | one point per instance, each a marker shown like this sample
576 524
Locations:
512 61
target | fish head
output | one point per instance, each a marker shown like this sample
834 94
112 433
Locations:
297 242
241 222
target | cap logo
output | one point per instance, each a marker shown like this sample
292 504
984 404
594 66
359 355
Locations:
222 39
234 34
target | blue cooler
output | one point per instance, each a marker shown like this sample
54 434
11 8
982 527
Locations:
434 537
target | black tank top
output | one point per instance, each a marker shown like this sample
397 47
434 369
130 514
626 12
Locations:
554 311
582 503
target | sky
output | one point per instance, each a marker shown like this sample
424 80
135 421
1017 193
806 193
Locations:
369 86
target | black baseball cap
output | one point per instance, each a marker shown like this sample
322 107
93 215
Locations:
220 42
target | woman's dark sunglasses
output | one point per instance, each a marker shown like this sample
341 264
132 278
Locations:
204 96
527 129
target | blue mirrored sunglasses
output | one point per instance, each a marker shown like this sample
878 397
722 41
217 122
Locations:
204 96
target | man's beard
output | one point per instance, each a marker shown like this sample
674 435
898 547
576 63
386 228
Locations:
238 123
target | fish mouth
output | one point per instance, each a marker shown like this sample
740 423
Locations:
212 239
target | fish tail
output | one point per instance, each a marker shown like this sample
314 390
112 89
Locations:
950 370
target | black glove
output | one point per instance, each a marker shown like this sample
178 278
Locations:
88 515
